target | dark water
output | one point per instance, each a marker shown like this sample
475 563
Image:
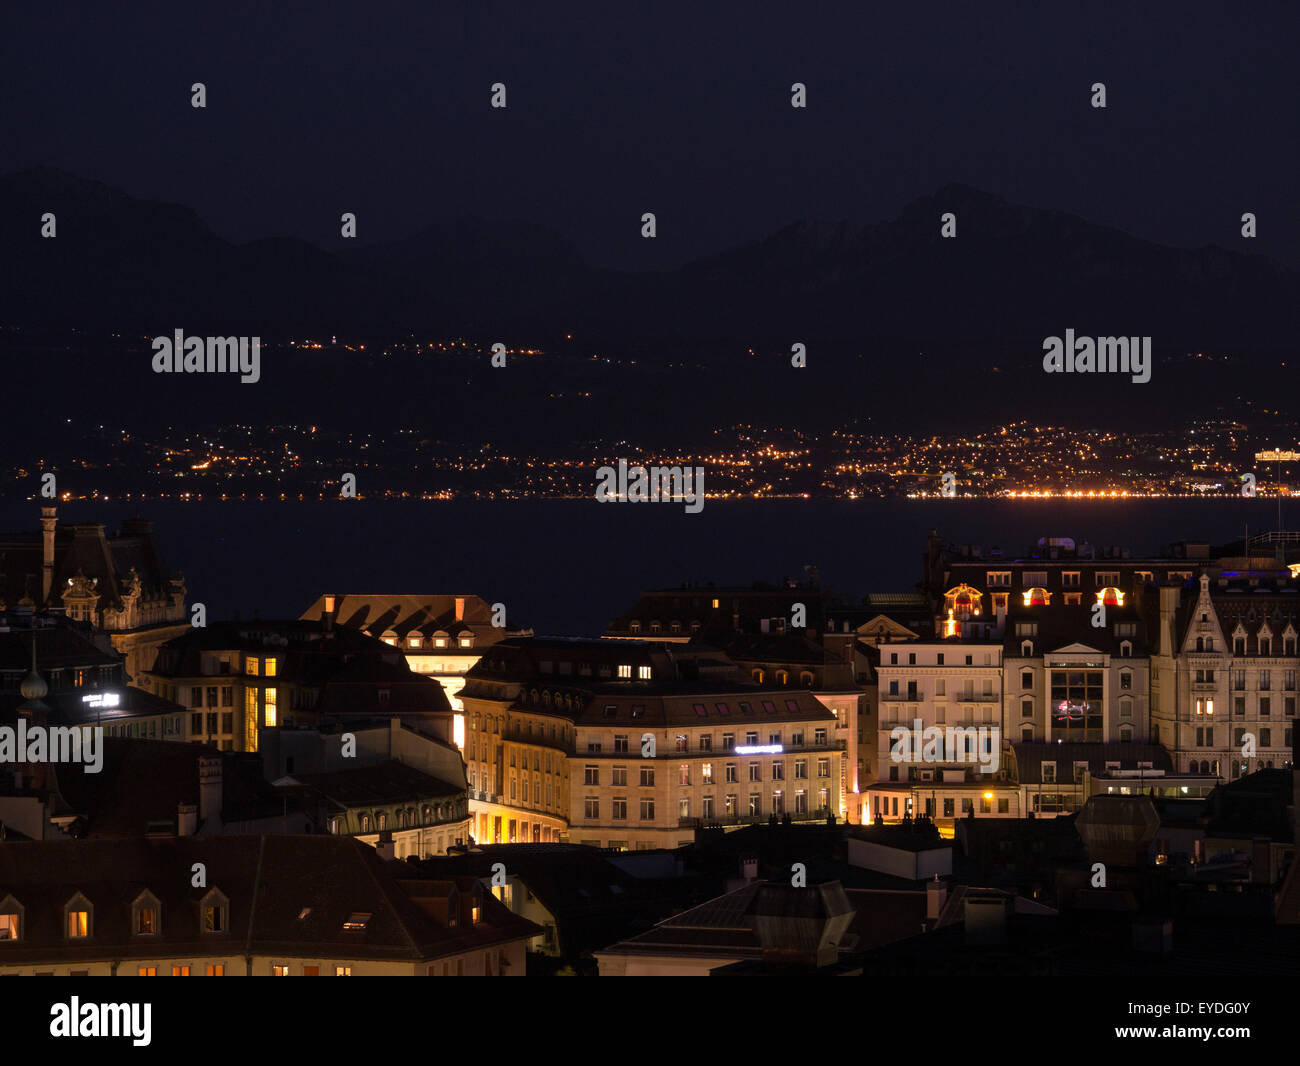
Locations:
569 566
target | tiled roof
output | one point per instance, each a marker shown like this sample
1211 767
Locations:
142 782
268 880
407 614
378 785
1030 756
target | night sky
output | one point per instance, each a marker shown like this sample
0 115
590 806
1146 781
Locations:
681 109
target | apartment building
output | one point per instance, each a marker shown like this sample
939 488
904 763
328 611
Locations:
1224 676
237 680
631 744
940 711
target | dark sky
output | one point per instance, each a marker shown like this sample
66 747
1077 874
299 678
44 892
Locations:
616 108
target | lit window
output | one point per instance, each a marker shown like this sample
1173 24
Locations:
357 920
214 915
180 971
148 971
413 641
8 927
342 971
279 971
78 924
270 707
625 670
146 921
270 667
643 672
254 665
215 969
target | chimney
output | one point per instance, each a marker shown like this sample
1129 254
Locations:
327 615
749 868
1169 597
48 524
936 895
210 788
460 608
187 820
385 846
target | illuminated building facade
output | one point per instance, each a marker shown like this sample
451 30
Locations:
940 685
442 636
118 584
1224 684
631 745
237 680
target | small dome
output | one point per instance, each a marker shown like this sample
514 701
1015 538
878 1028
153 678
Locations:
34 687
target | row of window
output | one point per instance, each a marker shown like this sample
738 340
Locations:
705 741
1073 578
79 913
415 642
618 774
657 627
1264 708
1205 737
406 818
730 808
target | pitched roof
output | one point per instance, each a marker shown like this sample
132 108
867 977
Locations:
378 785
286 895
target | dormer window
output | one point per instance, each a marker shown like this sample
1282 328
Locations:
413 641
440 639
11 919
77 918
467 640
357 920
215 909
144 914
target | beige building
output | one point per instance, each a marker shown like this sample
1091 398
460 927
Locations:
628 745
1224 670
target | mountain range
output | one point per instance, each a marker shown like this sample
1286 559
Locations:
889 307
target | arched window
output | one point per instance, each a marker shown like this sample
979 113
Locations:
1037 597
